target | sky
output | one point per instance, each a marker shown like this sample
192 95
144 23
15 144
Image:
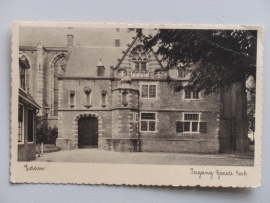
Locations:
57 36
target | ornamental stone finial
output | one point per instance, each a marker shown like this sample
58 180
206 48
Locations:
87 90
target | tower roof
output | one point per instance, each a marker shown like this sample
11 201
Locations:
100 64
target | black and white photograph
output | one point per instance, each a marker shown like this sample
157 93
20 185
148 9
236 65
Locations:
137 95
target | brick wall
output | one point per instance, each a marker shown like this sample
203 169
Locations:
182 146
26 152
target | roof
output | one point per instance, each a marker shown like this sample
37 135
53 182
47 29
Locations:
27 98
83 60
100 64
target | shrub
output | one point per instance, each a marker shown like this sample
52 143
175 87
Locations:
46 134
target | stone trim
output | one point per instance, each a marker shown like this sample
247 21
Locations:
75 126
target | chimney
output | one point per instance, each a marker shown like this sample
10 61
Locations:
70 40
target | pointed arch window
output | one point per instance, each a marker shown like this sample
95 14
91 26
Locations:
58 68
140 58
24 66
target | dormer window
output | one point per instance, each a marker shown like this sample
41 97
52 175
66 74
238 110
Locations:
181 72
100 69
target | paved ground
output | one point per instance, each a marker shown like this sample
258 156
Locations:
102 156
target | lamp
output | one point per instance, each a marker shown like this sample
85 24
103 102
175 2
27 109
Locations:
46 110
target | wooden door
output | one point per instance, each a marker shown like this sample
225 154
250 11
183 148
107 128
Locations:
88 132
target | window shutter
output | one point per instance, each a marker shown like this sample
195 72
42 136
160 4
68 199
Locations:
179 127
203 127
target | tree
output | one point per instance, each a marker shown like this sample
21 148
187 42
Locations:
45 134
215 58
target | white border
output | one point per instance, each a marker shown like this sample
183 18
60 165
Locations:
131 174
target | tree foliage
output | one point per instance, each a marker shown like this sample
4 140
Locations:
46 134
215 58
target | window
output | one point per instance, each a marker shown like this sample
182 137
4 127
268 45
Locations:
22 78
191 124
181 72
134 117
124 98
30 125
103 98
59 66
100 70
20 124
117 42
148 122
143 66
140 58
137 66
148 91
192 95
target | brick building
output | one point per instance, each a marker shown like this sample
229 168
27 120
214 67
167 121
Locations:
115 96
27 109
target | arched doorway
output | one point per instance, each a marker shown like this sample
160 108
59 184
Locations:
88 132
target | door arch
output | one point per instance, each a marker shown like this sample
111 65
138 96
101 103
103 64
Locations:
76 127
88 132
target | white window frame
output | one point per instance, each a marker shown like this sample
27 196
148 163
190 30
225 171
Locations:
22 142
33 126
140 120
148 84
191 121
191 96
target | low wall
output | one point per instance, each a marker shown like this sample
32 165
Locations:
63 143
119 145
180 146
168 146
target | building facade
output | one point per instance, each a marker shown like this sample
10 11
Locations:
121 98
27 110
